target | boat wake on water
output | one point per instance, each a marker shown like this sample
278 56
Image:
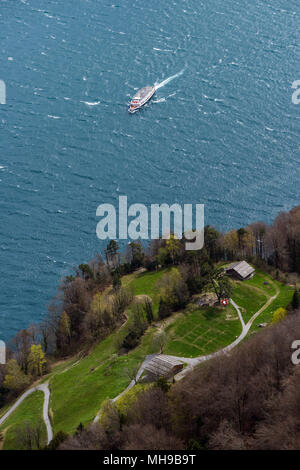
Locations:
168 80
144 94
164 98
91 103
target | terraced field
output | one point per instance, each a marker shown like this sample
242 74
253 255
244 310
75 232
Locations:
203 331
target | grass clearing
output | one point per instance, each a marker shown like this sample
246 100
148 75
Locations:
79 388
249 299
77 393
144 284
262 281
251 295
29 411
203 331
282 300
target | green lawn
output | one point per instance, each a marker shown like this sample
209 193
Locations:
283 300
203 331
251 295
249 299
262 281
77 393
29 411
144 284
207 330
79 388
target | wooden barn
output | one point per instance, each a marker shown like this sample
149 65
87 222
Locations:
163 366
240 270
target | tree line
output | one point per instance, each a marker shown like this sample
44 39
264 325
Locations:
91 302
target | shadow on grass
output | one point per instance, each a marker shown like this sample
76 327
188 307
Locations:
211 313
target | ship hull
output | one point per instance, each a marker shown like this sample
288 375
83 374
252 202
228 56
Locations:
141 98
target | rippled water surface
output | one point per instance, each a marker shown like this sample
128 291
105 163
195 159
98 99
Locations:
224 132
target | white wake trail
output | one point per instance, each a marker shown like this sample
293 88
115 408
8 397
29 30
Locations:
168 80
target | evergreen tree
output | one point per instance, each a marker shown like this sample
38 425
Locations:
295 300
111 254
116 281
148 309
136 254
79 429
164 309
86 272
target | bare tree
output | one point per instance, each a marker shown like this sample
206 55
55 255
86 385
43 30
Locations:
159 341
29 436
131 372
147 437
226 438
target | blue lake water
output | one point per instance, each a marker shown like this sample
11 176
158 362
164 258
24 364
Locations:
224 133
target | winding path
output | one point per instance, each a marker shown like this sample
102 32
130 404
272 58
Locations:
245 330
133 382
192 362
43 388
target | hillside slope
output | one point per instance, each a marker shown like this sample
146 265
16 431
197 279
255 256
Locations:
79 386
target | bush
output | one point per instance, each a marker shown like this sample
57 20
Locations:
148 310
136 328
139 319
163 384
150 264
131 340
15 379
127 401
57 440
195 284
121 300
174 293
109 417
279 315
164 309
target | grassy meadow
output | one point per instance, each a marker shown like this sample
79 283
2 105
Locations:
79 386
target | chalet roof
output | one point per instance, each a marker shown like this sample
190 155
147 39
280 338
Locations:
242 268
162 365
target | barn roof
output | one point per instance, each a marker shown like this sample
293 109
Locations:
162 365
242 268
